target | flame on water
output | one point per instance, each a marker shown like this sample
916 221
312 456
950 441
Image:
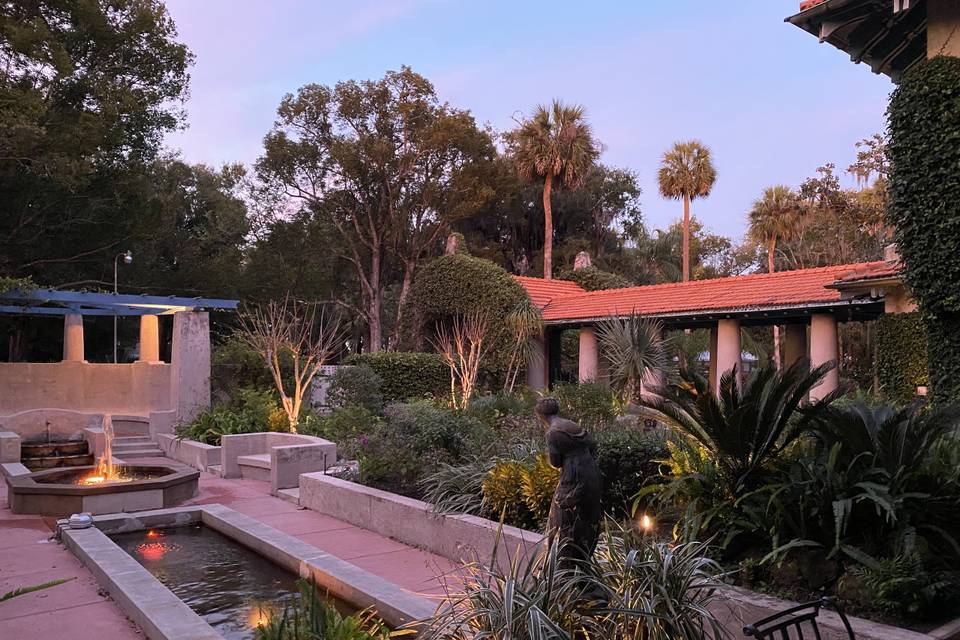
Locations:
105 471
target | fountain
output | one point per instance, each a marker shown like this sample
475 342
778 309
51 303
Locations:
106 487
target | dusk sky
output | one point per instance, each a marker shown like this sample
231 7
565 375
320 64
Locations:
770 102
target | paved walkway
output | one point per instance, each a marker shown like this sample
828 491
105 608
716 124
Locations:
78 609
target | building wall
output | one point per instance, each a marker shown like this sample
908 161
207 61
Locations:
943 28
134 389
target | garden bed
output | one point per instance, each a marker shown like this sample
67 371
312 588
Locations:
190 452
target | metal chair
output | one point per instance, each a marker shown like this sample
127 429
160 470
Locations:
790 624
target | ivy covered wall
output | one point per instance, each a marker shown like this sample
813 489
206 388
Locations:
901 355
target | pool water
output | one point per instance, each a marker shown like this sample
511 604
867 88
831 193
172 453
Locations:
228 585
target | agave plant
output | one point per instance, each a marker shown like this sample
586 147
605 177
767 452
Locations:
743 427
635 348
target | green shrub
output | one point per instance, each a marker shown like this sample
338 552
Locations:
901 355
492 410
924 152
313 615
904 586
540 481
344 424
356 385
454 285
628 458
406 375
590 404
594 279
252 411
422 427
503 493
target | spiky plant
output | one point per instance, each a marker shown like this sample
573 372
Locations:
686 173
743 427
556 145
635 348
526 324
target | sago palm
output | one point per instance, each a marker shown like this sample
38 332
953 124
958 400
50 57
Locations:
776 216
686 173
743 427
555 145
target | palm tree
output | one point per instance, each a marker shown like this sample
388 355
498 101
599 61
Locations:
775 216
635 348
555 145
686 173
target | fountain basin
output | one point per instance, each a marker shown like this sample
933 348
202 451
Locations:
55 492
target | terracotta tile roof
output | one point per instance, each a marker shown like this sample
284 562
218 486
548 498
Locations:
738 293
807 4
876 271
543 291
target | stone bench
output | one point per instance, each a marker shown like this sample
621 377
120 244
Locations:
9 447
277 458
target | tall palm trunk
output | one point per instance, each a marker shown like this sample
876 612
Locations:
771 249
686 238
547 228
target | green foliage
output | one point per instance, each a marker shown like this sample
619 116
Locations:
628 459
455 285
356 385
8 284
520 491
650 591
902 585
496 410
344 424
901 355
313 617
22 591
406 375
635 348
924 151
540 481
590 404
251 411
593 279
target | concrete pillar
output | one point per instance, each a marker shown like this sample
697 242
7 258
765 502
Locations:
149 339
190 364
728 349
589 356
73 338
794 343
943 28
713 358
537 365
824 347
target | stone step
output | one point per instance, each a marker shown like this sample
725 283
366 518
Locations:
134 447
140 453
290 495
132 440
216 470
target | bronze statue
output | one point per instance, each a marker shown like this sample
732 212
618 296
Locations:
575 510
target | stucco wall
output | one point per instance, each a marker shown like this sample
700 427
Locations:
134 389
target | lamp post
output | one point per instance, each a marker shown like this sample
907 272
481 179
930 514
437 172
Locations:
127 259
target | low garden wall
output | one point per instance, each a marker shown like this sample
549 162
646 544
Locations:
471 538
190 452
455 537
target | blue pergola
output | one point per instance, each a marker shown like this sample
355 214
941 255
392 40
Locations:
60 303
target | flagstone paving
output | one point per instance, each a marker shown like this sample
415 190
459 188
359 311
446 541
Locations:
28 556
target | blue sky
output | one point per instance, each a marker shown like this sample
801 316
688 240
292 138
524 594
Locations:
771 102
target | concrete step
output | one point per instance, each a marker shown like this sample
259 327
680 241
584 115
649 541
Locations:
216 470
155 452
132 440
290 495
135 447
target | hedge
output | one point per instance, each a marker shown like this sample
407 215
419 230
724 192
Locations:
406 374
593 279
901 355
924 152
456 284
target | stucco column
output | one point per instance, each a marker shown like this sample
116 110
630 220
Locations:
149 339
537 364
190 364
794 343
713 358
728 349
73 338
589 356
824 347
943 28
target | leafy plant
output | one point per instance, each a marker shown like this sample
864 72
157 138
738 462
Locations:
405 375
540 481
311 617
22 591
903 585
503 492
590 404
628 459
356 385
635 347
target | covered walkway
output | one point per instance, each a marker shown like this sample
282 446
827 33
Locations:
809 303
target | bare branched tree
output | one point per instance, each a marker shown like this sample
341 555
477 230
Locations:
526 324
297 330
463 346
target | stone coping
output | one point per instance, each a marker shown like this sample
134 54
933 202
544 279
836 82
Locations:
28 484
145 600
